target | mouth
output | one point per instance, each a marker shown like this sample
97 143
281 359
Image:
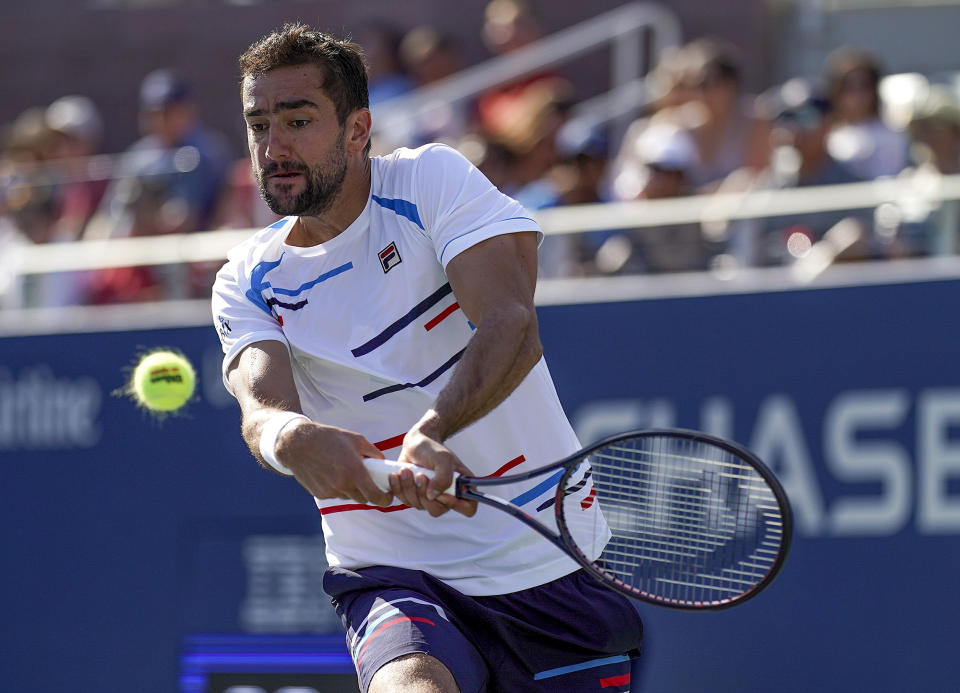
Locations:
285 176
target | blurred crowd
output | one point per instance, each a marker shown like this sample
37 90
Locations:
699 132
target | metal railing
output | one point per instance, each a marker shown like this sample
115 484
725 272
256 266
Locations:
625 29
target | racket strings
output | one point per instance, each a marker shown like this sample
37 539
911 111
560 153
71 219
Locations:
684 522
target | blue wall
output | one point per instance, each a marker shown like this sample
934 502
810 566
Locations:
121 535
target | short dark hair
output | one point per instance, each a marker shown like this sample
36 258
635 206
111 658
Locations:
846 60
712 58
345 73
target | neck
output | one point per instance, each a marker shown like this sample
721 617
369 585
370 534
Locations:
348 205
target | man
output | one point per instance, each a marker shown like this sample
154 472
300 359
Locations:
391 310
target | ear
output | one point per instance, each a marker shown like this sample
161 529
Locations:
357 130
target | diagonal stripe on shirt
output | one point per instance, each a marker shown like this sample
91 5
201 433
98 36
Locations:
414 313
426 381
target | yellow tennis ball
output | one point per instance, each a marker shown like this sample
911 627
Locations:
163 381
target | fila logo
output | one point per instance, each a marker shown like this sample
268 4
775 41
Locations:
389 257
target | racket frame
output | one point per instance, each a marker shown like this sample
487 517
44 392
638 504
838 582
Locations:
469 488
572 549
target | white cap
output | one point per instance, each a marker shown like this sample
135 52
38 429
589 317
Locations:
76 116
666 146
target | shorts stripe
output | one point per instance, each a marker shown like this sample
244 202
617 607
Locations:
402 619
366 625
550 673
621 680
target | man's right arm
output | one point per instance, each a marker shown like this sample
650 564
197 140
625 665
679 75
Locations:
325 460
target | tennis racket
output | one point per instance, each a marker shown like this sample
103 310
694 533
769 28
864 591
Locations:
687 520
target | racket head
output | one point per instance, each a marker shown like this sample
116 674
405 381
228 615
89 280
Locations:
695 522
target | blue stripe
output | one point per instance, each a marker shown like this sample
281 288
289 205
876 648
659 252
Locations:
549 673
414 313
258 284
322 278
278 224
402 207
538 489
467 233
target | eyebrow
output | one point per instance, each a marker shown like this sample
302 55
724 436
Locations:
282 106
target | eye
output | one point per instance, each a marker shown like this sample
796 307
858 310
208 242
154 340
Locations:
299 123
257 127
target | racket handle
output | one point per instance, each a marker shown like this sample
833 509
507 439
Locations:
380 471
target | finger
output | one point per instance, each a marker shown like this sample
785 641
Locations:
442 480
408 491
372 493
467 508
435 508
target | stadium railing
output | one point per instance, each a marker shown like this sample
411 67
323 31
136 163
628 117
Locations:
638 34
908 191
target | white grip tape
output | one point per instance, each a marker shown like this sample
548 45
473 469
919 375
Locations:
268 438
380 471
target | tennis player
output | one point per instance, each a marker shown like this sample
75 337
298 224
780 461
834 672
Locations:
391 311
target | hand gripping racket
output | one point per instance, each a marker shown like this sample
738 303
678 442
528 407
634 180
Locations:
687 520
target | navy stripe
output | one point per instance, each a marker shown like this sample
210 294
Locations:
426 381
567 491
289 306
415 312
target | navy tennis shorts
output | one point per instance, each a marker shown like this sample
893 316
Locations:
568 635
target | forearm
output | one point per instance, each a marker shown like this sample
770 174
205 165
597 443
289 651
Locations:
502 351
326 460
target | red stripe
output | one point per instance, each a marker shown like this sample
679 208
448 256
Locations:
621 680
588 501
508 466
443 314
360 506
394 442
387 625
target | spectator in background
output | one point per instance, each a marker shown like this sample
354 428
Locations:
29 207
428 57
935 131
29 183
858 138
386 75
730 135
527 128
663 157
78 129
698 88
172 180
800 118
508 26
668 92
935 128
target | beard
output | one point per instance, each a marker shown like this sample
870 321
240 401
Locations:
322 185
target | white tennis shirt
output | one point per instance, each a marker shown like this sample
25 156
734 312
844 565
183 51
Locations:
374 333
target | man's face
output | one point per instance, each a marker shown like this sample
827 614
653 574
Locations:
296 143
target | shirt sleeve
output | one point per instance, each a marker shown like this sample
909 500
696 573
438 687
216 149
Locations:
239 321
462 207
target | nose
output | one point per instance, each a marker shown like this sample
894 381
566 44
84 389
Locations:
278 148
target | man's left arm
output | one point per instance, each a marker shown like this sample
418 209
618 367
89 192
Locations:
494 282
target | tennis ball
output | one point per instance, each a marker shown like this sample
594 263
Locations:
163 381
